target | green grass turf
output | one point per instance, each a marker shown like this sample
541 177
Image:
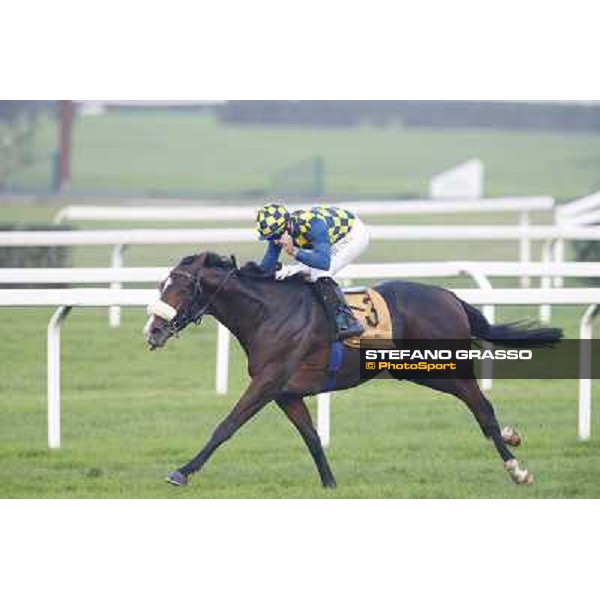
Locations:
130 416
160 152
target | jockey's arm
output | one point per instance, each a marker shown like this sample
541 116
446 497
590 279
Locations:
271 256
319 256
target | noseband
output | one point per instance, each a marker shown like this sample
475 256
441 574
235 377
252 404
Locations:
194 313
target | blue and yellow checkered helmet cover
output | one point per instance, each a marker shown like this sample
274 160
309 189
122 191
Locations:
271 220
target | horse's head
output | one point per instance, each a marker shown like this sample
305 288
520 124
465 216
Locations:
185 296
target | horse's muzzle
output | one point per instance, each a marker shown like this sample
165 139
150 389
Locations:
156 335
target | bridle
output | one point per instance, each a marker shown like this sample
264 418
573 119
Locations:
194 315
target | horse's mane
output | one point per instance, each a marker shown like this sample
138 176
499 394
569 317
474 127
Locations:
252 270
249 270
255 271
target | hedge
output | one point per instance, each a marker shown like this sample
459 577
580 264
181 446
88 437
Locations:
25 257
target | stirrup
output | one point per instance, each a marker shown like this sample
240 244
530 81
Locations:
353 327
350 332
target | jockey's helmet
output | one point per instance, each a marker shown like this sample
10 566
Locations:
271 221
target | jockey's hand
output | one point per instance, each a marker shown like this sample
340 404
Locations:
286 242
288 271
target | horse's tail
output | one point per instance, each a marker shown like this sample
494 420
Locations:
516 334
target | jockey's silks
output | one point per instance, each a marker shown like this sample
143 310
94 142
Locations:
338 222
313 231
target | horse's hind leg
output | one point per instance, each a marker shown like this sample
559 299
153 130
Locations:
297 412
469 392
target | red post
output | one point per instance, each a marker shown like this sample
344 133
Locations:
66 113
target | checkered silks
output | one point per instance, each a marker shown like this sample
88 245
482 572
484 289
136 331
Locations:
338 220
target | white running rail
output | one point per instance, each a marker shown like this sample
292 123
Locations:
480 272
245 212
66 299
120 239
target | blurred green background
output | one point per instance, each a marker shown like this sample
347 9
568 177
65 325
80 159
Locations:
175 152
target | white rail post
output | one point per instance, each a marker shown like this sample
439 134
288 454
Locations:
53 377
116 262
323 418
546 281
524 246
489 312
558 257
586 333
223 339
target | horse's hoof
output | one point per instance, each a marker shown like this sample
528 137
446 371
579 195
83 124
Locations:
331 485
511 436
526 479
518 475
176 478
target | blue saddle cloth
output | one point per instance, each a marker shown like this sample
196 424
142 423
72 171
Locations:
335 362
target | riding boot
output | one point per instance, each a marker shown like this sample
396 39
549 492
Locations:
338 312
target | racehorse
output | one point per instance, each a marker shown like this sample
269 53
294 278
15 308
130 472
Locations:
284 332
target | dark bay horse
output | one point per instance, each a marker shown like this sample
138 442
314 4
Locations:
286 337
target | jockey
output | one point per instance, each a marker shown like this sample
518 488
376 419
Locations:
323 239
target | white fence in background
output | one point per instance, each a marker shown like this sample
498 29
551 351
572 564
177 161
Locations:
120 239
524 205
479 272
128 237
580 212
463 181
66 299
245 212
583 212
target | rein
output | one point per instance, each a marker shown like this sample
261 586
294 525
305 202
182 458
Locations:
181 321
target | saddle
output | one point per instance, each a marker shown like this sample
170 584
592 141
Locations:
370 308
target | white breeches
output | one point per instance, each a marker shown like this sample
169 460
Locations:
343 252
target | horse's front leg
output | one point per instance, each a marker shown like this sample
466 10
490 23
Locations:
260 392
297 412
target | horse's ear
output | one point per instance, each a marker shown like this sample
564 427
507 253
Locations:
212 260
234 262
187 260
215 261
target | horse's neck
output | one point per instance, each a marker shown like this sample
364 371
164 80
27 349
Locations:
246 307
240 310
